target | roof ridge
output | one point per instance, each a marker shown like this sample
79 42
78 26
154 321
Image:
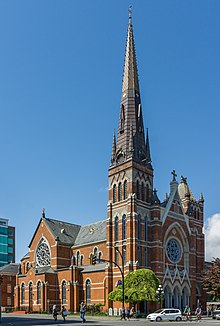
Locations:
93 223
52 219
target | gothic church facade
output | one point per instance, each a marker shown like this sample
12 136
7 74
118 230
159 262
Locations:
140 230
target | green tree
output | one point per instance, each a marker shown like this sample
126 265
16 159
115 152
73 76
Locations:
140 285
211 279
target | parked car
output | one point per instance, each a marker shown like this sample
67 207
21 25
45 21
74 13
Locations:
217 316
215 313
165 314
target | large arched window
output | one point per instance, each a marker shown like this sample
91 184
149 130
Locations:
145 230
30 293
42 254
116 255
114 194
119 191
139 228
64 292
124 254
78 258
38 292
139 256
125 189
124 227
22 293
96 252
88 292
138 189
147 193
142 191
116 228
28 266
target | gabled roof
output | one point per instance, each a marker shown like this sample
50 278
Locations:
64 231
11 269
174 195
93 232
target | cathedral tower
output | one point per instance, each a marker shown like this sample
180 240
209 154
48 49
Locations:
130 173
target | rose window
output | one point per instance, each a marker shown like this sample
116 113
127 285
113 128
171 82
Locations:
43 255
173 250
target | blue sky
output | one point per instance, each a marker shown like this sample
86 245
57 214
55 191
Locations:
60 85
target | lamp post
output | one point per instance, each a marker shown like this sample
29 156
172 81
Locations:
160 294
122 275
121 270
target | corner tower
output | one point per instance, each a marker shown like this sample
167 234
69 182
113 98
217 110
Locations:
130 173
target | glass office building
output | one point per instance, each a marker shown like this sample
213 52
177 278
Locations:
7 242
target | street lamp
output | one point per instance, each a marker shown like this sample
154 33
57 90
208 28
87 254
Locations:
159 293
120 268
122 275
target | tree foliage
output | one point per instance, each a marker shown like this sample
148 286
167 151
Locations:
140 285
211 279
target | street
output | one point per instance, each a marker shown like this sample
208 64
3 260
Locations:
37 320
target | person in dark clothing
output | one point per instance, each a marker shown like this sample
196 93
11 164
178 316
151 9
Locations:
123 313
82 312
55 312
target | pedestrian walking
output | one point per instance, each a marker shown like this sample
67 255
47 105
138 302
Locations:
55 312
123 316
82 311
127 313
132 312
64 313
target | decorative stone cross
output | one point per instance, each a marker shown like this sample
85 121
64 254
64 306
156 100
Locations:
174 175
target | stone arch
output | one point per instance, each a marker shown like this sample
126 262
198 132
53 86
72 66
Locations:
22 293
177 295
38 285
167 294
63 291
27 266
184 242
186 293
78 255
88 291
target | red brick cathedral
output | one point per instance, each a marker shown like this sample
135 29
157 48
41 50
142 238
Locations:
144 232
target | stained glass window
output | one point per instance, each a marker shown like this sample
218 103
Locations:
173 250
43 254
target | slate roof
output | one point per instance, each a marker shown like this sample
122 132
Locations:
65 232
92 232
44 270
11 268
94 268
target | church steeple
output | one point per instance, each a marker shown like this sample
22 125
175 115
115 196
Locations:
130 76
130 109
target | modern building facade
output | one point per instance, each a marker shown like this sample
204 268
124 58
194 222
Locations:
7 242
166 236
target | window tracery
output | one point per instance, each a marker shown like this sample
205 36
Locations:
43 257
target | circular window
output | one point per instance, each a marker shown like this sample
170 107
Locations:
43 255
173 250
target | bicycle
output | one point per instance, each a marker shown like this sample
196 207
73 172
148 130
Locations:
188 317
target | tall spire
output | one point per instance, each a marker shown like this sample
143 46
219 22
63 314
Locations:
130 108
130 76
